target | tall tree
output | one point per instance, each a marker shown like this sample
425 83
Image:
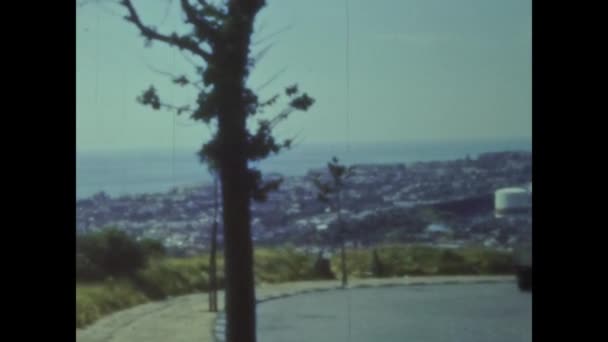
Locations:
219 40
330 192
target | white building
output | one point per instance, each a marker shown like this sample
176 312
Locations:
509 201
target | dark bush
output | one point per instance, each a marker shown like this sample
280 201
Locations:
152 248
124 256
451 262
108 253
86 270
322 268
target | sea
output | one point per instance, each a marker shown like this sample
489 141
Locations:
127 172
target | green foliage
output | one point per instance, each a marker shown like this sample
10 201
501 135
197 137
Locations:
339 173
96 301
401 260
164 277
225 31
451 262
488 261
220 39
175 276
86 269
282 265
152 248
322 268
112 253
161 278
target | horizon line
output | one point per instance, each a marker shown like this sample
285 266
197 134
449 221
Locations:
320 143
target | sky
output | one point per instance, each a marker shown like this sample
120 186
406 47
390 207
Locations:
420 70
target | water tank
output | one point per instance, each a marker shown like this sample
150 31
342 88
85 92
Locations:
512 200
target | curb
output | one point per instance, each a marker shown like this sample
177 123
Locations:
219 329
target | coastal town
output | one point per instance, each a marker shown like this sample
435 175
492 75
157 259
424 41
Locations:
447 203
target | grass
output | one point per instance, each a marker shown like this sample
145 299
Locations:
412 260
175 276
277 265
165 277
161 278
94 301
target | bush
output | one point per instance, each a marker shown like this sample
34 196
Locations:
152 248
175 276
86 270
163 277
451 262
322 268
112 252
488 261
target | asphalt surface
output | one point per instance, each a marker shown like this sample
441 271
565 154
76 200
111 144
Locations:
428 313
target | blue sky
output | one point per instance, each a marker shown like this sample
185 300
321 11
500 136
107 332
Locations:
419 70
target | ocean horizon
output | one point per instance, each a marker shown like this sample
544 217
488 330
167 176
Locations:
136 171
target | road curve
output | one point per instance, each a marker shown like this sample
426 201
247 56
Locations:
186 318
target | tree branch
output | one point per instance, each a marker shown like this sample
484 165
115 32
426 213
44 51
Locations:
178 109
150 98
280 117
189 60
274 77
181 79
182 42
261 54
167 9
203 27
261 40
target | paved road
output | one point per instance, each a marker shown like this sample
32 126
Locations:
186 318
456 312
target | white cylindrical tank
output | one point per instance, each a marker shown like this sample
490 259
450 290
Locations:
512 200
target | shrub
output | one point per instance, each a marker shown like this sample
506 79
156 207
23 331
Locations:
489 261
322 268
123 255
152 248
86 270
112 252
175 276
164 276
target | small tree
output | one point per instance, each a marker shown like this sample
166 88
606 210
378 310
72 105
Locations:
331 193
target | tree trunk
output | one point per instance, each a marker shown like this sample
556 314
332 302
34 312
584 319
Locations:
231 61
236 193
238 256
213 252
